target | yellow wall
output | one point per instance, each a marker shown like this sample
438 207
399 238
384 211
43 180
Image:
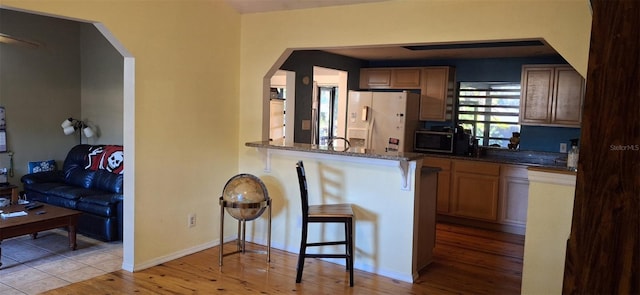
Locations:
198 63
548 228
267 37
186 111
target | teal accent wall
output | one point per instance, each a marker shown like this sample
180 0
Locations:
546 139
302 62
534 138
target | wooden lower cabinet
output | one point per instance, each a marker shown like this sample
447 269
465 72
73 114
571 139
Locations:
485 194
475 190
514 195
444 182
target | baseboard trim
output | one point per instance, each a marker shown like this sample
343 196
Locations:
409 278
176 255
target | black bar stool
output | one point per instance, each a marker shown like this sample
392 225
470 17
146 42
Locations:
330 213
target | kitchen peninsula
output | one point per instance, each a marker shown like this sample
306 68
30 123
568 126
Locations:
392 194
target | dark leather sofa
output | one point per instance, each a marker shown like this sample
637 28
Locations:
90 181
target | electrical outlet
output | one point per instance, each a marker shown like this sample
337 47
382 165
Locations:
191 220
563 147
306 125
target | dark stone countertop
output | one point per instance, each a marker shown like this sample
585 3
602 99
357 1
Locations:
556 161
351 152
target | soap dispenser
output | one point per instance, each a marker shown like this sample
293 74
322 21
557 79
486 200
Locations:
572 157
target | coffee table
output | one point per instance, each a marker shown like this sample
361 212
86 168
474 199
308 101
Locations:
32 223
10 189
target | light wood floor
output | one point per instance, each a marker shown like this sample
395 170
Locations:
467 261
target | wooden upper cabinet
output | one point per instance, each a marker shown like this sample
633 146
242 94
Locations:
537 90
436 84
437 94
551 95
390 78
375 78
569 94
406 78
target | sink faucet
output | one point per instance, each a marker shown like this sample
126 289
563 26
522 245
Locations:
337 137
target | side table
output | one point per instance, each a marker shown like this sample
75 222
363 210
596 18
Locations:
10 189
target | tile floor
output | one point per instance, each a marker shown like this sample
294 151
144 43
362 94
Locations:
31 266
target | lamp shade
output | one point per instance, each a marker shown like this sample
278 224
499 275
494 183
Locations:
69 130
66 123
88 132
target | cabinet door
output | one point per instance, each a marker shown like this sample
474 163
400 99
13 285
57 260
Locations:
568 95
406 78
514 195
535 100
276 119
435 99
444 192
475 190
444 182
375 78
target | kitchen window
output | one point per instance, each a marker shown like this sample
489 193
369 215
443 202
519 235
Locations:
490 110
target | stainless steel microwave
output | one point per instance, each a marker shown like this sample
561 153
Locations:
433 141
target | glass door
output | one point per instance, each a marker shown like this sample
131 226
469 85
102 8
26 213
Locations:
327 114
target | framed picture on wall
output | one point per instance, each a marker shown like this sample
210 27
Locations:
3 131
3 124
3 141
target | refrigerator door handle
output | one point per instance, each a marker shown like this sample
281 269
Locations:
370 132
365 113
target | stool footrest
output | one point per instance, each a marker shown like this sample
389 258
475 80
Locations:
326 243
324 213
327 255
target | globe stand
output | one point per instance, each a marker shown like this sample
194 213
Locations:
245 203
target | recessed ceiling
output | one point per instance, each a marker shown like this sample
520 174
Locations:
256 6
520 48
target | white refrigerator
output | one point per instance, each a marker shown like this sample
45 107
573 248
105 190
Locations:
384 122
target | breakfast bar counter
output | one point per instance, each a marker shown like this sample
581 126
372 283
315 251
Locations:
405 161
330 150
392 195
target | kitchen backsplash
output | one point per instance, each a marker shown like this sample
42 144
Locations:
546 139
534 138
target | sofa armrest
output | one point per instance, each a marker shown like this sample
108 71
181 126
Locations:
42 177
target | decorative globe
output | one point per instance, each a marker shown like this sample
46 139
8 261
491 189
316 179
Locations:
247 193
